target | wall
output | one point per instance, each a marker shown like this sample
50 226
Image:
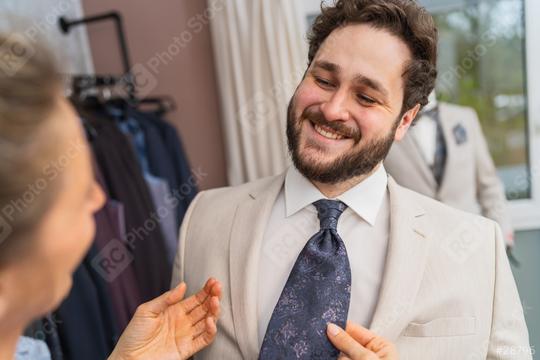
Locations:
188 75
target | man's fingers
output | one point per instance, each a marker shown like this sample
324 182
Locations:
347 345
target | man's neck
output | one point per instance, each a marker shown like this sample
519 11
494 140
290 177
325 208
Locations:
332 191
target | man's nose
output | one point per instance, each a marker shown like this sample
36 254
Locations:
335 109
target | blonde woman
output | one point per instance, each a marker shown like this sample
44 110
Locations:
42 242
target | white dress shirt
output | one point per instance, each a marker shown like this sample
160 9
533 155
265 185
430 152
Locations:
363 226
425 135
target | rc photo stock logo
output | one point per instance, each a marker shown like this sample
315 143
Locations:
144 80
14 54
112 260
5 229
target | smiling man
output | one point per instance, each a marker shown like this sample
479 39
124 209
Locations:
334 239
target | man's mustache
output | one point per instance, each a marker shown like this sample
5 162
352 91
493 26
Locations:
317 118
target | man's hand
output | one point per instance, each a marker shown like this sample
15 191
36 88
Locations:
168 328
358 343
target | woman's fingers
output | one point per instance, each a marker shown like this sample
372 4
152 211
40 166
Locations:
216 289
199 328
203 333
176 294
206 337
162 302
215 307
371 341
210 307
196 300
360 334
347 345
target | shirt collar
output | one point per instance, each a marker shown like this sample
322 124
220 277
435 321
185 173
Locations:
364 199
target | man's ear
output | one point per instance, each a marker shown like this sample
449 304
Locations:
406 122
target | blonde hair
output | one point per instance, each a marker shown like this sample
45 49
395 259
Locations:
29 88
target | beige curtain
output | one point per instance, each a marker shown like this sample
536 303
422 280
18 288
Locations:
260 54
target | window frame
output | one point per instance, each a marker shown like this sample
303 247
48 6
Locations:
526 213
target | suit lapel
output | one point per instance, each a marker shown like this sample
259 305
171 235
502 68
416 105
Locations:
411 147
247 233
406 259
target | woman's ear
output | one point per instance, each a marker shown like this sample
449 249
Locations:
406 122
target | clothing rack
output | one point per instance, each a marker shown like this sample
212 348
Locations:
93 80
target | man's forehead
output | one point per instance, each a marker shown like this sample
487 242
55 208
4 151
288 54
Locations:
361 50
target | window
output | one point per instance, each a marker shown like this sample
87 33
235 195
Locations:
485 48
482 65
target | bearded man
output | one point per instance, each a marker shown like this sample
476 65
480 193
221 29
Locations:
334 239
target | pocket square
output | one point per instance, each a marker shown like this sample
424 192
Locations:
460 134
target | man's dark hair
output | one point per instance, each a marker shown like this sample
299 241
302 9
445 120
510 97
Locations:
402 18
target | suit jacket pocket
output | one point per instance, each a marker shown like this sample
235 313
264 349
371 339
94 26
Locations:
457 326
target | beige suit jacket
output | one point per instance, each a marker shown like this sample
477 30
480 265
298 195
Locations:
447 292
470 180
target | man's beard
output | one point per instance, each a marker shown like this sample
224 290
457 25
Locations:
353 163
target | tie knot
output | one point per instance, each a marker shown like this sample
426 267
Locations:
329 212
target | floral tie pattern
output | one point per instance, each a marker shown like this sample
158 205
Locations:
318 291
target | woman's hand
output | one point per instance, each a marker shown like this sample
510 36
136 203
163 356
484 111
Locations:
358 343
168 328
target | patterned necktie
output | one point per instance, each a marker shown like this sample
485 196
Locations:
318 291
439 161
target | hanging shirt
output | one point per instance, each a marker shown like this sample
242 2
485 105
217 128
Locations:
31 349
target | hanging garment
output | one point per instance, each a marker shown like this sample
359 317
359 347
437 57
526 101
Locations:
85 319
168 159
165 205
124 180
46 329
115 262
31 349
111 263
161 195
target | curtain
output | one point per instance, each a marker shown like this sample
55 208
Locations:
261 54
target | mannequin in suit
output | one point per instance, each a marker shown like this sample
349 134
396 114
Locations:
445 156
334 238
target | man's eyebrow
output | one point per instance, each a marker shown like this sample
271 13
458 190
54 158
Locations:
371 83
328 66
360 80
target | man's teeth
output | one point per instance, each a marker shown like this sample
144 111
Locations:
328 134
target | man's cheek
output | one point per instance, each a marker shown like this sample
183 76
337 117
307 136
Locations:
307 95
